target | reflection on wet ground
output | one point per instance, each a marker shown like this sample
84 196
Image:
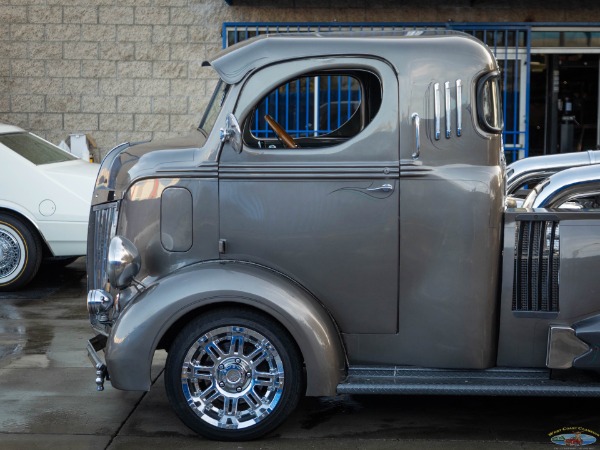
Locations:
48 395
20 333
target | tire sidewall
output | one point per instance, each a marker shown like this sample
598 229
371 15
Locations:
277 336
30 253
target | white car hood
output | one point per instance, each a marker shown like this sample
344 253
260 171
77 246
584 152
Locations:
78 176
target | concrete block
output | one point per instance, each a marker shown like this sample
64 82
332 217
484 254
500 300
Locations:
134 33
99 69
13 50
99 33
80 122
13 14
46 86
157 88
186 87
45 121
80 86
152 16
80 50
188 52
66 68
45 14
170 69
134 69
152 52
63 103
27 68
134 104
27 103
45 50
184 122
170 105
116 122
26 32
116 14
98 104
116 87
176 33
64 32
80 14
151 122
121 51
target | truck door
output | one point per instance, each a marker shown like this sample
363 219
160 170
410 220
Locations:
314 192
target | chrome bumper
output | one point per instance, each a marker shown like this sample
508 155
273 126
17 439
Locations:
94 345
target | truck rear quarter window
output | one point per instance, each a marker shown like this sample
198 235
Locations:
316 109
489 103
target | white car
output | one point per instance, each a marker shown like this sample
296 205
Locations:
45 196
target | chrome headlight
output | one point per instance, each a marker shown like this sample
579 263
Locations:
123 262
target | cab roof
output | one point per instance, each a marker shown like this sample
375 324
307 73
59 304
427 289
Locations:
235 62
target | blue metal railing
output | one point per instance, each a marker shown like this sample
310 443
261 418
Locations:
511 43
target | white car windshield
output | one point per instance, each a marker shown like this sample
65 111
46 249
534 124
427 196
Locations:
35 149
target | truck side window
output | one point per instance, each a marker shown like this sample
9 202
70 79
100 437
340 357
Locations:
316 110
489 103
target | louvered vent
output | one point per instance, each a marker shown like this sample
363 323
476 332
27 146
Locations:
537 258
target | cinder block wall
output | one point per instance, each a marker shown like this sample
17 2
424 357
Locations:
128 70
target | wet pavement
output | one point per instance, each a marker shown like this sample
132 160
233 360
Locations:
48 397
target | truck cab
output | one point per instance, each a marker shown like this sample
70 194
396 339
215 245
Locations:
336 224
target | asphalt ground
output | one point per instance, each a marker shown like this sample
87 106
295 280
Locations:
48 397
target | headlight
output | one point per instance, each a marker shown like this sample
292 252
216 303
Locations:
123 262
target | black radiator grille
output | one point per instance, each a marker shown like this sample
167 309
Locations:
104 224
537 258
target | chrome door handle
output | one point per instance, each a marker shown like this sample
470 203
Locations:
383 188
417 121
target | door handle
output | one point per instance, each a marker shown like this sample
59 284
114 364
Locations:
415 118
384 188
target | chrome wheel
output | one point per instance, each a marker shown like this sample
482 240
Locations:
232 377
12 253
20 252
233 374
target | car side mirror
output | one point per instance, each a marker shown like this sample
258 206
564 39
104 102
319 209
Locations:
232 133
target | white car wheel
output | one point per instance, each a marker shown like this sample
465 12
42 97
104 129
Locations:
20 253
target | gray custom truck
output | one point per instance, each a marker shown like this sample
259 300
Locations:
337 224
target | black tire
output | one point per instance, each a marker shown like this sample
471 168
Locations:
234 350
20 252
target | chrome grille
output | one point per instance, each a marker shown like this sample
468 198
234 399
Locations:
537 259
103 226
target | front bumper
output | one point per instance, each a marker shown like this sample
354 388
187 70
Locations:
95 345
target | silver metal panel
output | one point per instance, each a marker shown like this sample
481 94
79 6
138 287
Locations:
139 329
321 215
523 338
141 223
176 227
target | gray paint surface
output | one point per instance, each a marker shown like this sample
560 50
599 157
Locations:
409 277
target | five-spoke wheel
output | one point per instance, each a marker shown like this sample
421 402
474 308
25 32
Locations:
233 375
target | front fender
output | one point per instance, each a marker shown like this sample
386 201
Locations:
151 314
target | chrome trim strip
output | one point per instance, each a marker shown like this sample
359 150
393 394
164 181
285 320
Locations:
448 114
436 101
458 107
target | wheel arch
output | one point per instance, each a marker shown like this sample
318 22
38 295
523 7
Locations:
25 218
150 322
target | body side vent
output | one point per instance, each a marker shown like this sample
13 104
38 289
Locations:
537 258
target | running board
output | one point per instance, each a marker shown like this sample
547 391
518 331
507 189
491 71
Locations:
497 381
